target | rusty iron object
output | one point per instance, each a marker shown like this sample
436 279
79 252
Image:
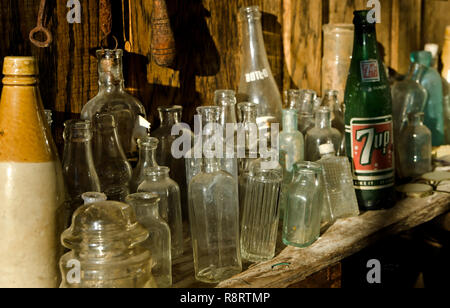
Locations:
163 41
41 28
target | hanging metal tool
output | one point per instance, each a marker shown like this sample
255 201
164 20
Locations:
127 27
163 41
41 28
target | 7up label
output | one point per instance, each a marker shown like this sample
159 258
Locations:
372 147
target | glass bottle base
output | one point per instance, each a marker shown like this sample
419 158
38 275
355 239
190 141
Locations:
376 200
255 257
304 245
212 274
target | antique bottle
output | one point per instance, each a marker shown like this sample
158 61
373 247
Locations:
322 133
446 55
302 216
105 242
32 190
368 120
93 197
292 150
337 56
146 207
306 111
214 221
408 96
79 170
338 183
292 99
112 98
147 159
331 100
157 181
111 164
170 117
261 209
257 84
434 109
415 144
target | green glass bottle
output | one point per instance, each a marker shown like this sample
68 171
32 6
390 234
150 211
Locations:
368 120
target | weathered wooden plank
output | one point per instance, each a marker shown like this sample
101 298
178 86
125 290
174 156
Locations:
435 17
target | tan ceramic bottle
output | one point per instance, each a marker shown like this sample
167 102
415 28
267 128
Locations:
31 190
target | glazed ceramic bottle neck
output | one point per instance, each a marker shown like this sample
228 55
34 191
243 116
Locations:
290 120
323 118
170 116
110 70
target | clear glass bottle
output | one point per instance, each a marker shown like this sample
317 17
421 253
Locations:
214 221
146 207
78 162
93 197
170 116
434 109
112 167
112 98
32 192
415 143
306 111
147 159
261 209
302 216
292 150
322 133
157 181
105 249
257 84
337 56
331 100
408 96
292 99
338 182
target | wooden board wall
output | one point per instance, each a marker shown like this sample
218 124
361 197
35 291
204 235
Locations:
208 45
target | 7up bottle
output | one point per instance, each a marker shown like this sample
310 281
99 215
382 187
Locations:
368 120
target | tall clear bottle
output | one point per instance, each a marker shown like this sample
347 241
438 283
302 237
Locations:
322 133
111 164
112 98
146 205
257 84
331 100
157 181
147 159
214 221
261 209
32 189
306 111
434 109
78 162
415 144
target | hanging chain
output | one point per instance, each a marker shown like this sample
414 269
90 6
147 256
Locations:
40 28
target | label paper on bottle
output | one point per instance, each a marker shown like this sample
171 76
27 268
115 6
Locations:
370 71
372 148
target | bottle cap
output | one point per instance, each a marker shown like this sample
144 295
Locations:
433 48
20 66
326 148
436 177
415 190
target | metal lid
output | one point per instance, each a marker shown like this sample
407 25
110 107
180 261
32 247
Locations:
415 190
436 177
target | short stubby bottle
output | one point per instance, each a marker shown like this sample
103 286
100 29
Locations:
338 182
147 159
145 205
261 209
105 242
157 181
415 143
214 221
111 164
112 98
322 133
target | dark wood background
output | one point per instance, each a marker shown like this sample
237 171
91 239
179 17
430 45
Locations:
207 40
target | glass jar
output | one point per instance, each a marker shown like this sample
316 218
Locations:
146 207
93 197
415 143
157 181
337 56
214 221
322 133
78 162
302 216
105 249
261 209
338 182
112 98
257 84
147 159
112 167
32 196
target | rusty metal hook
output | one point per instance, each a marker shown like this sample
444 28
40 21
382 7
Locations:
40 28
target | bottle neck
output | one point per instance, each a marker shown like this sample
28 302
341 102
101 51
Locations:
253 48
147 156
416 119
148 210
157 176
416 72
79 153
365 42
290 120
169 118
211 165
110 72
323 119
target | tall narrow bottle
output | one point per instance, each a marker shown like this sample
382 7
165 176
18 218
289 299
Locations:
147 159
257 84
32 188
306 111
368 120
